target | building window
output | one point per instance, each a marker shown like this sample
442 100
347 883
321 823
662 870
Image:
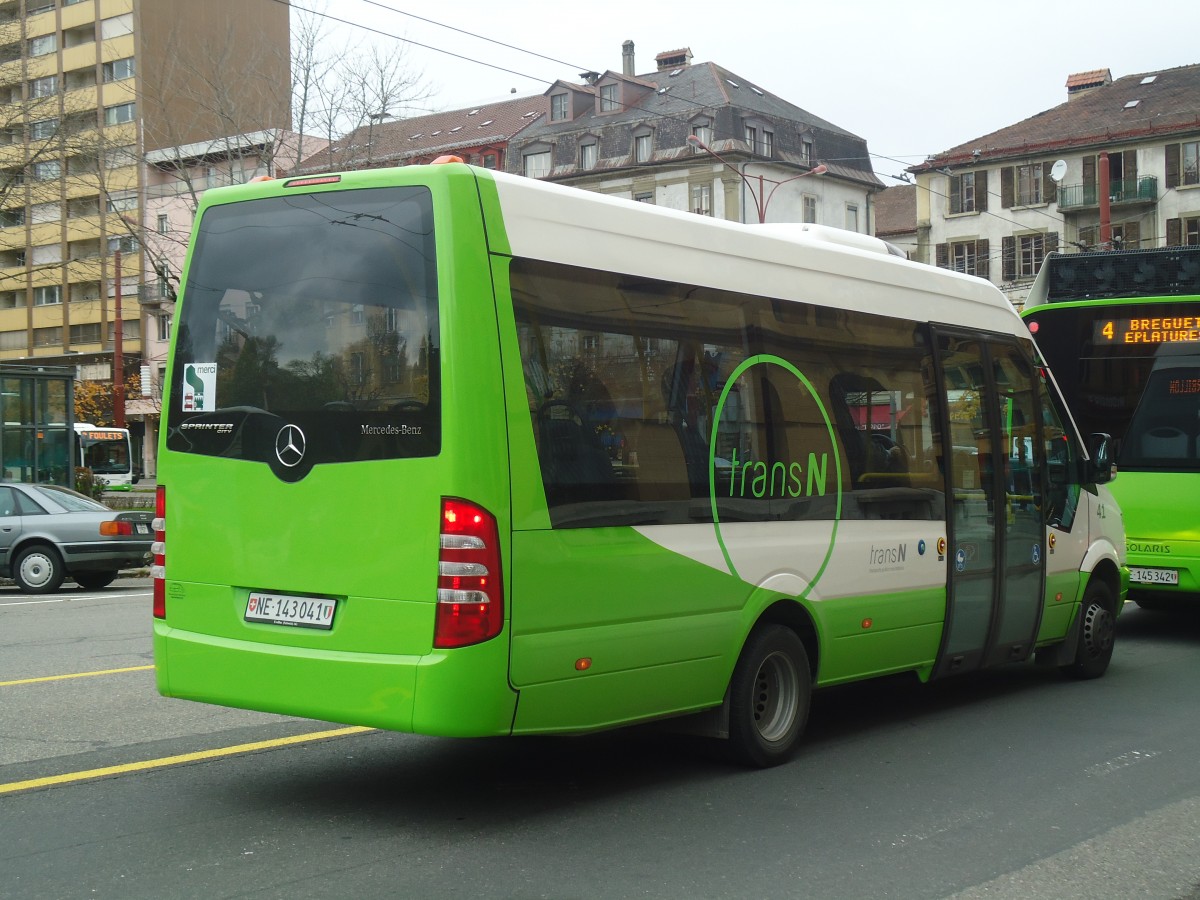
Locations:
643 146
47 337
119 69
962 257
164 224
608 98
43 130
806 152
588 154
489 161
116 26
702 131
644 196
589 342
88 333
40 46
852 217
1191 163
47 171
751 136
558 107
1029 184
810 209
767 146
43 87
118 115
537 165
51 295
121 204
702 199
962 193
1031 252
126 244
164 328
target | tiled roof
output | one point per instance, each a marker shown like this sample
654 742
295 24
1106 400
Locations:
1145 106
436 133
896 210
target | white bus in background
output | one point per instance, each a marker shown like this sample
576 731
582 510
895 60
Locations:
108 453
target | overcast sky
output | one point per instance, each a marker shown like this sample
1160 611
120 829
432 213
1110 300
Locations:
912 79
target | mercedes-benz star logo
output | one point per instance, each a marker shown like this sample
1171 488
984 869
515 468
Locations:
289 445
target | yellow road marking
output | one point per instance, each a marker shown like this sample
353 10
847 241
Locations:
75 675
68 777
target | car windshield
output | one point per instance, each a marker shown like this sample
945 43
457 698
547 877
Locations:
68 500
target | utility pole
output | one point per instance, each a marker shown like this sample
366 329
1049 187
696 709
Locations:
118 349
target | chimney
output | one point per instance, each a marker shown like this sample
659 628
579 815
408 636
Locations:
1082 82
674 59
627 67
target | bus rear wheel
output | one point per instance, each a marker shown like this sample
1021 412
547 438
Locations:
1097 630
769 697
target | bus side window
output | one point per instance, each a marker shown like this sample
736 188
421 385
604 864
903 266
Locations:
1062 470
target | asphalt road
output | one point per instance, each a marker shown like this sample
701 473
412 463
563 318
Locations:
1013 784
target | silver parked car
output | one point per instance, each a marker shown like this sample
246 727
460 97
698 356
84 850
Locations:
49 532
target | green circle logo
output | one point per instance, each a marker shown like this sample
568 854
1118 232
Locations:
806 385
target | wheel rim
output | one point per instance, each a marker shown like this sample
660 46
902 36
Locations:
36 570
776 694
1098 630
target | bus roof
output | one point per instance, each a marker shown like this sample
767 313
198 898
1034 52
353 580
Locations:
789 261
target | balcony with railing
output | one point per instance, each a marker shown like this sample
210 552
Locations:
1120 191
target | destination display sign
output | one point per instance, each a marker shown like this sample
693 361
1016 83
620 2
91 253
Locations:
1148 330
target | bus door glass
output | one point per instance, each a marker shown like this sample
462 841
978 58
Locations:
995 525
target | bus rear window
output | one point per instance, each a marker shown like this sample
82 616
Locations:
317 311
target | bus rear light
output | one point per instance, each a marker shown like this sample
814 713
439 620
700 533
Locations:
470 592
158 571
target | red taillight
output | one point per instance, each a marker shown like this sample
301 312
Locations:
158 570
116 528
470 592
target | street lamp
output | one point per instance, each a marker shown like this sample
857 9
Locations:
760 201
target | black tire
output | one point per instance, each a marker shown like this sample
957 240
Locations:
1097 630
94 581
769 697
38 569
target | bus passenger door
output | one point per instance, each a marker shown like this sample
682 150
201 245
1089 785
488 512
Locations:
995 533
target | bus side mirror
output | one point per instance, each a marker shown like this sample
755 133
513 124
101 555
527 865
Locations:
1101 468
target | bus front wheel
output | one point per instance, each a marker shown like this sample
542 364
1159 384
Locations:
769 697
1097 629
38 570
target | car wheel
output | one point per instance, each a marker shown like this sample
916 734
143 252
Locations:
769 697
38 570
1098 628
94 581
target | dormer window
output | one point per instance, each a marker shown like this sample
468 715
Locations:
643 145
589 154
702 131
558 107
760 138
608 98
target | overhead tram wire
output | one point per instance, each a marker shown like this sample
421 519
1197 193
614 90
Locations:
404 40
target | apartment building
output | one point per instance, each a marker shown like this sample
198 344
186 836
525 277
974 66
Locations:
89 88
1117 165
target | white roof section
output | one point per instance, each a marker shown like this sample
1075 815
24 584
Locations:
820 265
214 147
